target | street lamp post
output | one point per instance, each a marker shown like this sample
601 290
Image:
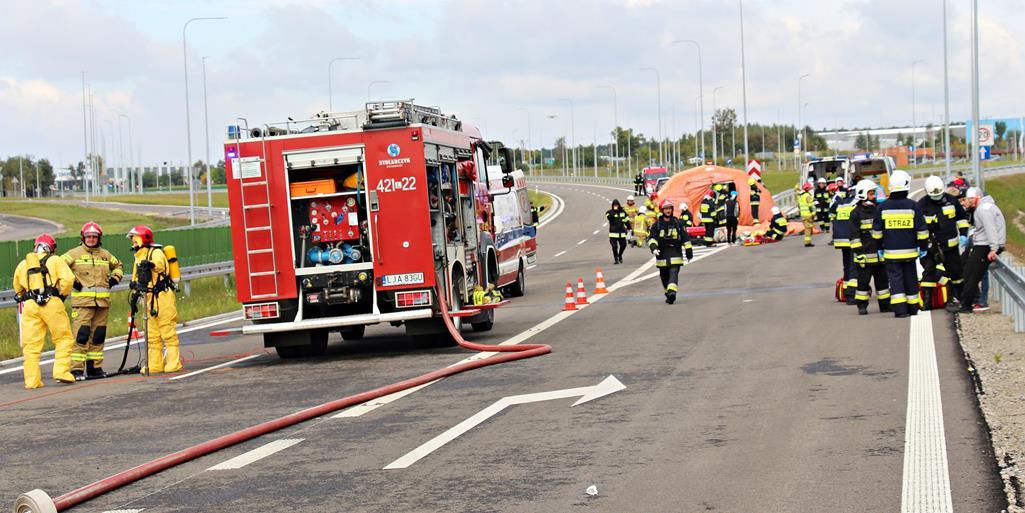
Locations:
701 91
975 95
804 116
330 104
85 138
131 180
743 78
206 130
188 117
615 120
946 96
914 118
800 142
700 118
573 132
715 129
371 84
530 152
658 86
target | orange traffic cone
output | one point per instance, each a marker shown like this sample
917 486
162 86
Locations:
570 305
599 282
581 292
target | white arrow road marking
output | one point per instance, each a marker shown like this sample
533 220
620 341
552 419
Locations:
926 483
256 454
608 386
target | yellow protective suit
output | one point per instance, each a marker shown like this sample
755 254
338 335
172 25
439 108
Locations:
36 319
160 327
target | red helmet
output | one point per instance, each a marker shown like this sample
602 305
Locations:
832 187
665 203
806 186
653 196
143 232
91 228
47 239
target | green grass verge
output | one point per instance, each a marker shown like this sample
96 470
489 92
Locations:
779 181
74 216
169 198
1009 193
208 297
541 199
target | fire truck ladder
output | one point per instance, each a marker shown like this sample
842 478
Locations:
261 184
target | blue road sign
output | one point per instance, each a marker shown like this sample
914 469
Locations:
984 152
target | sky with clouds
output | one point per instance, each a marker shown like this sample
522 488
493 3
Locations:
494 63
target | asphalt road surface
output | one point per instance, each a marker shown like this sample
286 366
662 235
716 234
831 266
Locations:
755 392
20 227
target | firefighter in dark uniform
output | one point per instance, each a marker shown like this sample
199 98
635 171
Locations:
866 250
535 214
840 213
619 225
669 242
822 199
707 211
685 216
639 184
756 197
948 226
720 204
904 238
777 226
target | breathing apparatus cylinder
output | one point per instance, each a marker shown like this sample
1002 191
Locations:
35 272
173 269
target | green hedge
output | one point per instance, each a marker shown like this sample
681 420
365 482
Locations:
196 246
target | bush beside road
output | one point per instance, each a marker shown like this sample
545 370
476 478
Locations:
208 297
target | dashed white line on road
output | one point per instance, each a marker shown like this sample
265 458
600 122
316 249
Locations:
124 510
581 242
218 366
256 454
559 254
531 266
926 484
596 232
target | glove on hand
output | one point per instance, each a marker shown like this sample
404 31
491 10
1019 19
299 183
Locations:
111 282
656 252
921 254
880 253
77 285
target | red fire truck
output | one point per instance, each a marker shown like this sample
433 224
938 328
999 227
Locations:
353 219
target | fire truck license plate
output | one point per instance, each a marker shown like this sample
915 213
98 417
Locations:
402 279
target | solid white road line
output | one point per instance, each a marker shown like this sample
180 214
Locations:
926 476
140 341
256 454
560 205
218 366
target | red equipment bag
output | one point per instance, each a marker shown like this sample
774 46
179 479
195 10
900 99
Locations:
939 297
840 286
696 232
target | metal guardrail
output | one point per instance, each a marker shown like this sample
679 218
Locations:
1007 284
600 180
188 274
987 171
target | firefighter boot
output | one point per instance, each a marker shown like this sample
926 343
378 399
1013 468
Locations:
862 307
926 295
884 305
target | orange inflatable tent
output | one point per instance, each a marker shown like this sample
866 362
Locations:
691 186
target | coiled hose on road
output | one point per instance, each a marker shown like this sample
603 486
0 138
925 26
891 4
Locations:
37 501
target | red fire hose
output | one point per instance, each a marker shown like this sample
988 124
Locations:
38 501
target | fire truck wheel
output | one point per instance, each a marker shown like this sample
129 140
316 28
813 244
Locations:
353 332
318 343
519 287
487 323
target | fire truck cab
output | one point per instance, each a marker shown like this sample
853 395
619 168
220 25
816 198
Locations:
360 218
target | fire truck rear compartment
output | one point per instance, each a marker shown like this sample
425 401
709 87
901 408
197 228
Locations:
330 232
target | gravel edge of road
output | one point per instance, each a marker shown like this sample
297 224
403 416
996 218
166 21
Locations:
996 371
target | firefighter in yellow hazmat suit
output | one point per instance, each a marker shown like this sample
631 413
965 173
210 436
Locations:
151 276
41 282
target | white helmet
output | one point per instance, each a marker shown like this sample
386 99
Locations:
972 192
862 189
900 181
683 205
821 180
775 210
642 210
631 198
934 187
